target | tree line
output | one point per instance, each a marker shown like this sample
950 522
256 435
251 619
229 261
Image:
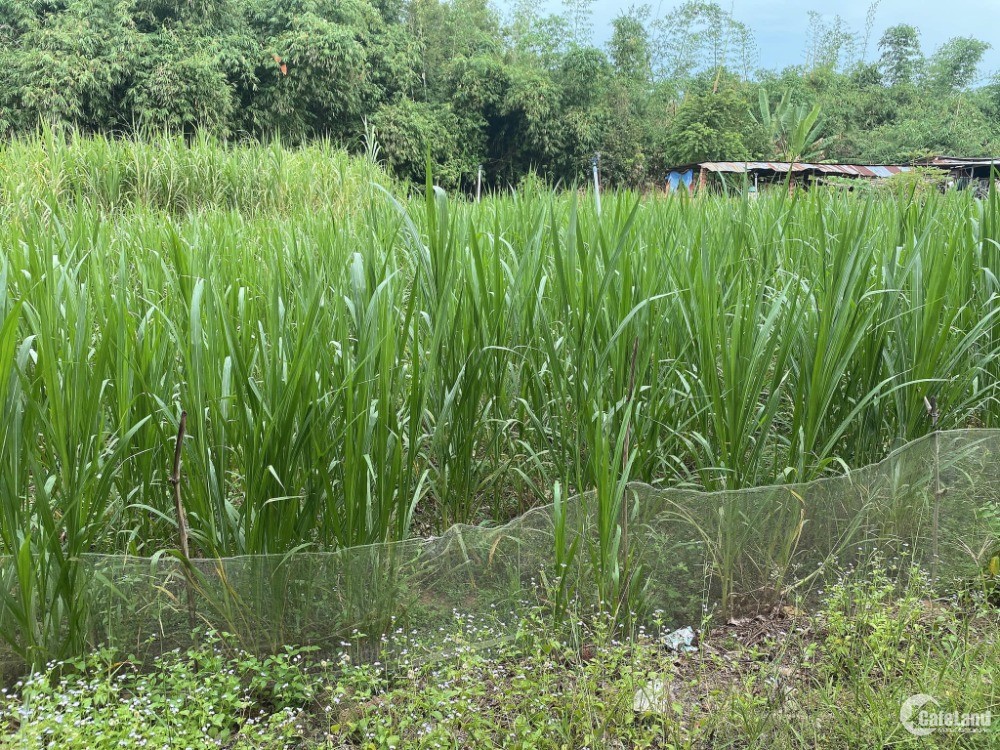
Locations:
516 89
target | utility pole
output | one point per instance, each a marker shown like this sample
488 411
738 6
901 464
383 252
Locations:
479 182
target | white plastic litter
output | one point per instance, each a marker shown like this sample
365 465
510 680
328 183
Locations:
654 697
681 640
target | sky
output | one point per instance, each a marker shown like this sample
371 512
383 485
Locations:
781 26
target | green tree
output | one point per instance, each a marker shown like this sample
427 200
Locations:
526 94
582 80
709 127
901 60
630 100
406 131
830 45
64 63
629 46
319 66
699 36
578 17
954 66
180 84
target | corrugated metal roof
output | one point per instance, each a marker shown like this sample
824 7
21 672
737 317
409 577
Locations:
848 170
748 166
960 161
863 170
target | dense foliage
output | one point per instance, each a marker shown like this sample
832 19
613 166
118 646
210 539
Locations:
834 679
348 360
358 364
512 89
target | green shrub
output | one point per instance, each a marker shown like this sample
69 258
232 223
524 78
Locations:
208 696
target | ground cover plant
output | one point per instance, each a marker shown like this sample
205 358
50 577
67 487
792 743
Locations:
359 363
835 678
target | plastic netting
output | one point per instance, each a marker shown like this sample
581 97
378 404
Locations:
934 503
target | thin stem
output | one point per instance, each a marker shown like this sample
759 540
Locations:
182 528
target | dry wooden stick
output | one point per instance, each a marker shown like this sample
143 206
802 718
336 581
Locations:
182 528
631 395
930 403
175 480
625 466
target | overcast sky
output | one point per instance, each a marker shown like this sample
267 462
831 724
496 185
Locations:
781 26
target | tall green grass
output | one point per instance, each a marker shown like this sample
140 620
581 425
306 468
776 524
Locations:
354 362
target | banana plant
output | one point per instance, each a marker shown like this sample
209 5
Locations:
794 129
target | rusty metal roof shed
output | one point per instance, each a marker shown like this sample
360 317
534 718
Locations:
847 170
959 161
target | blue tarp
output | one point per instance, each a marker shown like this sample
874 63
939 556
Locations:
675 179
